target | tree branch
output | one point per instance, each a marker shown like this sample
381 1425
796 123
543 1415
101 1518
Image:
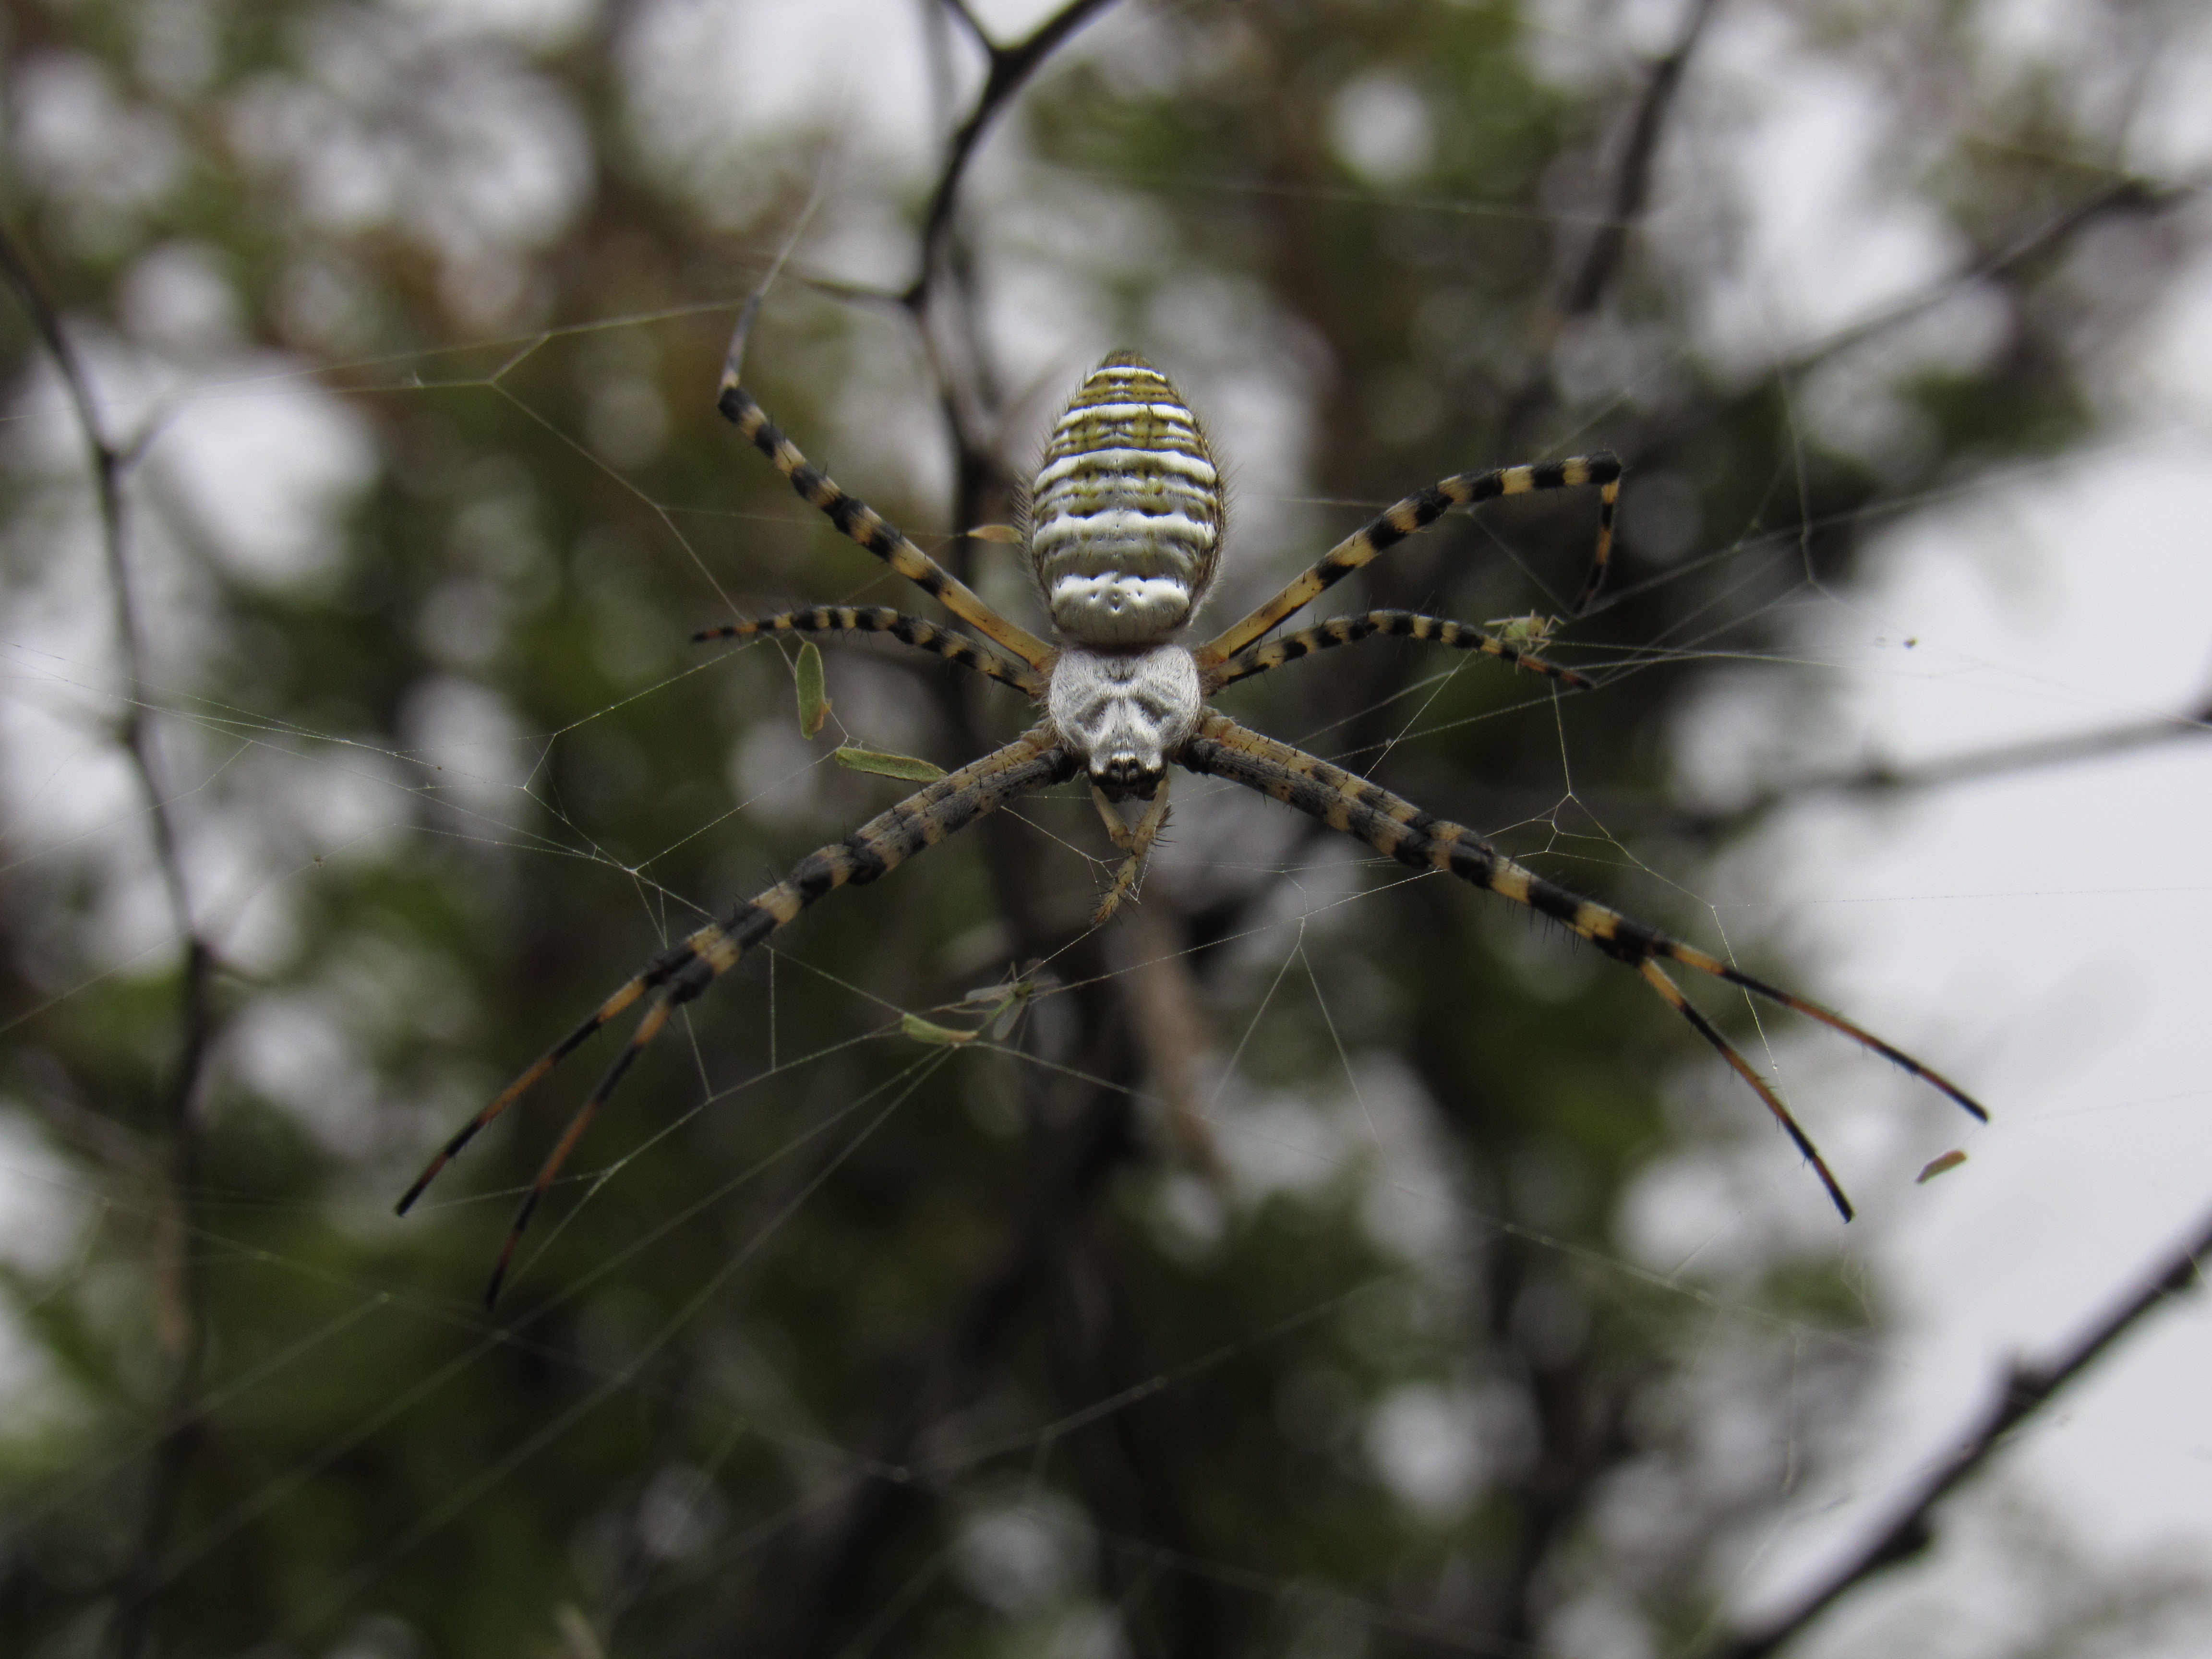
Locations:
2026 1390
1011 66
1631 184
182 1329
968 20
2120 195
1881 779
1602 260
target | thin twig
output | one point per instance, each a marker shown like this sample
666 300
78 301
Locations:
2026 1390
1011 66
184 1328
1631 183
1881 779
1601 261
959 9
2125 195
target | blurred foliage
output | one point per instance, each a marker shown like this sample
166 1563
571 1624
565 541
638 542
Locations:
843 1343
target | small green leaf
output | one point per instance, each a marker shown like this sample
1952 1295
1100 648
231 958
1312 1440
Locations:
1937 1166
889 766
813 689
924 1031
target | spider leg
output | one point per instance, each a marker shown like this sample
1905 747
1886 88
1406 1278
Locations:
685 970
918 631
1137 842
655 974
1416 513
1394 825
649 1028
1655 976
857 519
1406 625
1116 831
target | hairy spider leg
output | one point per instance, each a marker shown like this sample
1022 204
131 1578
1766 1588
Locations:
918 631
684 970
1395 624
857 519
655 974
1416 513
921 821
1655 976
1393 825
1136 841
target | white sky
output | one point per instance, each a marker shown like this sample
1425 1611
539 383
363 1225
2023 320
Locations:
2039 937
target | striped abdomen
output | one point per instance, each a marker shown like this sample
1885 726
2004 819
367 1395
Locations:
1125 518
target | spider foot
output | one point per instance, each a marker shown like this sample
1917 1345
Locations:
1135 839
1125 886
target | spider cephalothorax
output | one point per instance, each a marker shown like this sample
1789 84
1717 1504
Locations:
1123 538
1125 712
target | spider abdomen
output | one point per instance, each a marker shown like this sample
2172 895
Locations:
1125 517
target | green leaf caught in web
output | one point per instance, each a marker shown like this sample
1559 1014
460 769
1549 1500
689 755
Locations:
890 766
926 1031
813 689
996 1008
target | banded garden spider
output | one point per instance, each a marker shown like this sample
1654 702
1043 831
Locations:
1123 541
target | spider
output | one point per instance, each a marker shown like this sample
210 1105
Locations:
1123 540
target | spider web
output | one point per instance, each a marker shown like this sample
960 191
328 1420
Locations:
1947 924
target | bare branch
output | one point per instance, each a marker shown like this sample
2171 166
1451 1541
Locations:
1878 779
959 9
2026 1390
1631 194
2119 196
180 1290
1011 67
1631 184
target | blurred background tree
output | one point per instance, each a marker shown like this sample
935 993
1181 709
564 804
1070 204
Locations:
1269 1279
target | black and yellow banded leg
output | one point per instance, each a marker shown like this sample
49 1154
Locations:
656 974
857 519
1671 994
1135 839
1416 513
686 969
917 631
1383 624
1394 826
